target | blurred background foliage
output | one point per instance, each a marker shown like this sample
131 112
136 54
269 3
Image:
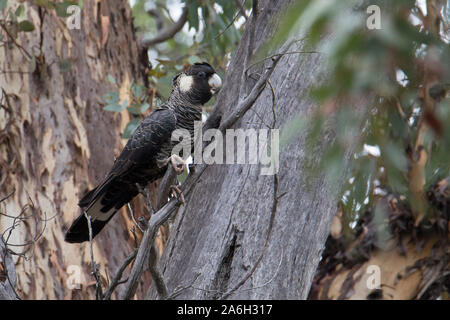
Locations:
403 147
210 32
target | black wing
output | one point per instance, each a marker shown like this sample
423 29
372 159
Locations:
137 163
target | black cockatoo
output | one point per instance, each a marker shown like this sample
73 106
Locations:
148 152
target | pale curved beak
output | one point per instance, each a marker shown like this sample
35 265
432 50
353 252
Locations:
215 83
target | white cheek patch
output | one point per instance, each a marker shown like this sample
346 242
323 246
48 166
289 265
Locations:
186 83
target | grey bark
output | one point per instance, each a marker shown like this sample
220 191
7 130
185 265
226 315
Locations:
8 276
219 236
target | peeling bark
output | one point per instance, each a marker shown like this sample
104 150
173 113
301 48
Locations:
57 141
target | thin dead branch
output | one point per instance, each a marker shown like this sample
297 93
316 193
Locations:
95 271
168 32
118 277
166 212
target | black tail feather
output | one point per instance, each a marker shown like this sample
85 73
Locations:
100 204
87 198
79 230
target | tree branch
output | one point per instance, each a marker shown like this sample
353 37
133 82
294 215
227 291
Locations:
7 291
165 212
157 277
95 271
157 15
168 32
248 102
116 280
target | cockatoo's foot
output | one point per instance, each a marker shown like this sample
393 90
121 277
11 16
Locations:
177 193
178 163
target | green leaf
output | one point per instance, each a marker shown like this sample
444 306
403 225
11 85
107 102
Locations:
129 129
114 107
144 107
193 18
395 155
3 4
111 97
124 104
137 90
61 8
111 79
26 26
134 111
20 10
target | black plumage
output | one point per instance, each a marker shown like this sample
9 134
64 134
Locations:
144 158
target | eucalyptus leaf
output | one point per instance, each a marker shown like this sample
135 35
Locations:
111 79
26 26
3 4
144 107
20 10
111 97
114 107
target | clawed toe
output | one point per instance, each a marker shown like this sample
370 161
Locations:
178 164
177 193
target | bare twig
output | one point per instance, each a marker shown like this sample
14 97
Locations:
248 102
164 187
7 289
157 277
21 217
242 8
144 191
276 55
180 289
95 271
168 32
165 212
149 236
133 217
117 278
22 49
153 257
241 11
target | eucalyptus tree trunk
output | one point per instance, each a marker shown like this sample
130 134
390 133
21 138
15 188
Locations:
244 235
56 141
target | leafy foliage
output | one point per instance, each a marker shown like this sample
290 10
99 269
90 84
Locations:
405 68
141 100
211 33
